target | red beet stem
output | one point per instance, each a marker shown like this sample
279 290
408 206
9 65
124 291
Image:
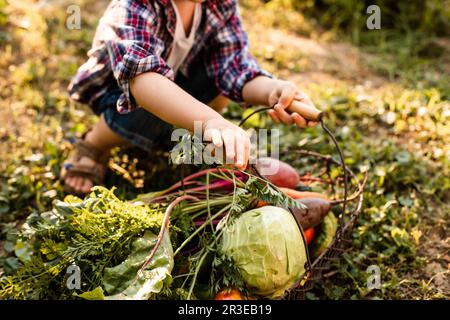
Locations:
164 225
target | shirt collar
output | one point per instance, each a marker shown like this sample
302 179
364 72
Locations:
222 6
217 12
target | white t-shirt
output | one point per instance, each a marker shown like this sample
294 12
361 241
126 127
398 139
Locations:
183 43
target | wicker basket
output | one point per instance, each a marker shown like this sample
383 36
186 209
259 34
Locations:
346 221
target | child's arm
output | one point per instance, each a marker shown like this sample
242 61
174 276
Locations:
134 52
239 77
168 101
278 94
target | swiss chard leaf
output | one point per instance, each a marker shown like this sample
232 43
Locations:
121 281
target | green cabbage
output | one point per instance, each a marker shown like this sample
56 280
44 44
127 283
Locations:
267 248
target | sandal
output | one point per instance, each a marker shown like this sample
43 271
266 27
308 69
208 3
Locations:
72 168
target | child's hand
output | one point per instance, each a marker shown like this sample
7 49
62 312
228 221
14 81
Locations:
235 140
281 98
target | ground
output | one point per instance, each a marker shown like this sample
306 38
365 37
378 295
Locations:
390 113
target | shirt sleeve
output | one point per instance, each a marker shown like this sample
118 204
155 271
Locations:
133 49
231 65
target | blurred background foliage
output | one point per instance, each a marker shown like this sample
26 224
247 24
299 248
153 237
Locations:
386 93
413 35
427 18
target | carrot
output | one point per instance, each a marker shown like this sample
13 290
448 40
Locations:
278 172
309 235
294 194
303 194
261 203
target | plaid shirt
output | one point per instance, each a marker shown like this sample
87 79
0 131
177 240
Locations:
135 36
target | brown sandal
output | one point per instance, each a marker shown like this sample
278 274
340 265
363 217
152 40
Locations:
94 173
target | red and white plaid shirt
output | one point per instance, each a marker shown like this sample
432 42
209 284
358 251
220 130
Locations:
134 37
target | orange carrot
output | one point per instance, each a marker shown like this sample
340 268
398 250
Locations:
309 235
294 194
303 194
261 203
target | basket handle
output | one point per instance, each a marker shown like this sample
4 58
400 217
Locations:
306 111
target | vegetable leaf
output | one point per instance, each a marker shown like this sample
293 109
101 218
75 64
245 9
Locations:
121 280
96 294
269 193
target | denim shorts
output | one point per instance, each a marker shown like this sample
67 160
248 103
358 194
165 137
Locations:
140 127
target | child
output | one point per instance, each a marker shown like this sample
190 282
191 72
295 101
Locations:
158 63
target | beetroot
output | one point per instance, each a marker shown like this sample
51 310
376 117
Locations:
316 209
278 172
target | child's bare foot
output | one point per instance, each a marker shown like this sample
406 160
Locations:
85 167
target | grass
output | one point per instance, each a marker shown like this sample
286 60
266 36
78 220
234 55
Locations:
387 104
